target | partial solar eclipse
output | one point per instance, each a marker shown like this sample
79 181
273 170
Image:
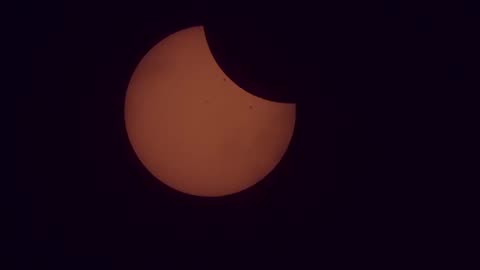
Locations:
193 128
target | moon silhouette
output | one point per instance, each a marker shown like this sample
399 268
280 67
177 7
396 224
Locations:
193 128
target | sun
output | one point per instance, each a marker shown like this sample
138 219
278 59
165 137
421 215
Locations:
193 128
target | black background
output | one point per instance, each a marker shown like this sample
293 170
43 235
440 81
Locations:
353 189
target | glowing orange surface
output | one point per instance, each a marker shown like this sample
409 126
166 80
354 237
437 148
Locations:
196 130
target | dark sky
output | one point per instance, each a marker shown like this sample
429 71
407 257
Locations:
352 190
